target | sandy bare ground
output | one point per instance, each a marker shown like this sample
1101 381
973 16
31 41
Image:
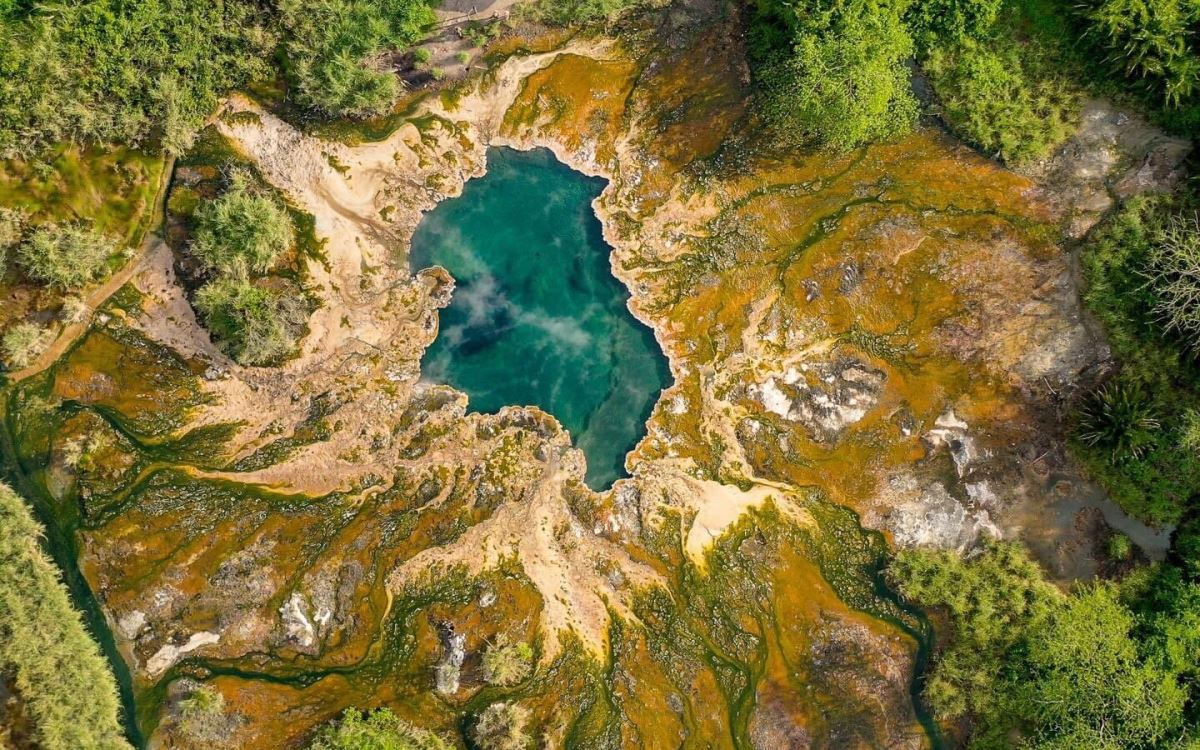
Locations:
560 556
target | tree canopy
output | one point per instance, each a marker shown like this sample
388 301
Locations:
57 669
115 71
835 73
243 229
335 51
150 72
255 324
1094 669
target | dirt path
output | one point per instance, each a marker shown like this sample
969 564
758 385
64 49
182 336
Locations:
94 300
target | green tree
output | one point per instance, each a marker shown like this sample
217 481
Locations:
952 21
1161 482
377 730
835 73
335 51
992 601
65 256
1107 667
56 668
1089 687
244 229
253 324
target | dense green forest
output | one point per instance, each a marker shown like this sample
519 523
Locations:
1111 665
151 72
1007 75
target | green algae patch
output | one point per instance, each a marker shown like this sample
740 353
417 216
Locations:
117 369
115 191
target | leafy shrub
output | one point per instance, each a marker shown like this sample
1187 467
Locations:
1116 264
501 726
202 716
244 229
55 666
23 342
1119 547
951 21
422 56
75 309
1189 435
1185 547
82 452
254 325
992 601
1120 419
483 33
989 97
110 70
1157 41
335 46
834 75
1174 275
202 701
507 664
12 228
65 256
377 730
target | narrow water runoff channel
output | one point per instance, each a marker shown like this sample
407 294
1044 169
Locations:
537 318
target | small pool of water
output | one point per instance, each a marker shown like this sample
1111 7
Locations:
537 317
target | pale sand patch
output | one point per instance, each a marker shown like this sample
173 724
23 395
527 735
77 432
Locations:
720 507
582 577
